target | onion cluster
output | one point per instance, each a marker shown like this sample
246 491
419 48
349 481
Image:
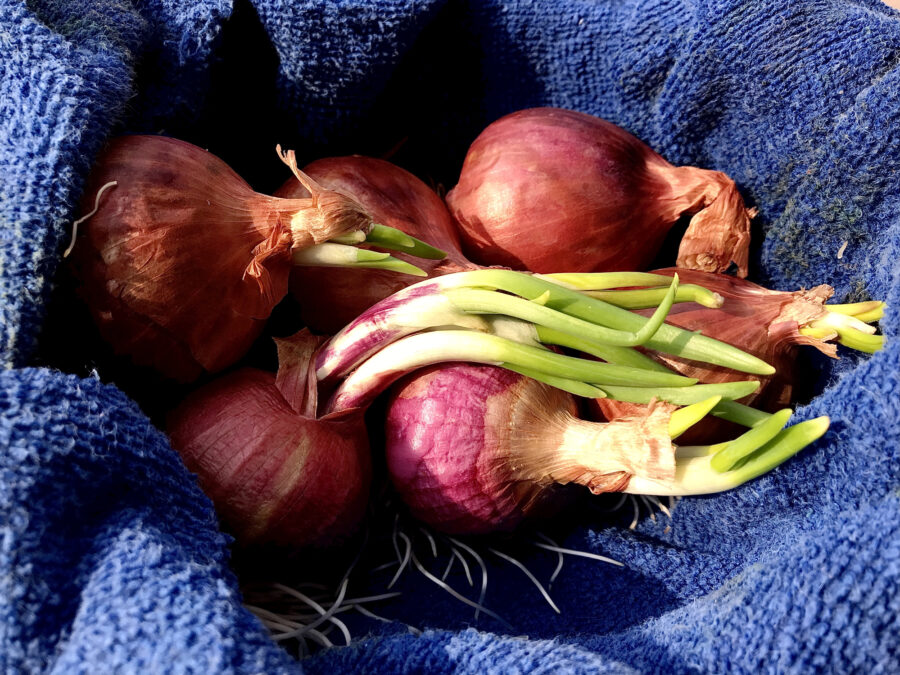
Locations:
181 262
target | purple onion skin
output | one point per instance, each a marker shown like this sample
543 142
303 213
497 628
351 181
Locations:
448 450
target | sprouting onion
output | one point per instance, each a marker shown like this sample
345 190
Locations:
180 261
439 302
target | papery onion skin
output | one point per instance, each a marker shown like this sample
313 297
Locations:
330 298
479 449
547 189
758 320
183 261
274 476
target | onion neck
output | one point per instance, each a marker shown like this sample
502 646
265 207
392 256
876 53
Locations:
286 225
804 309
719 233
806 306
601 456
762 321
324 215
452 264
306 222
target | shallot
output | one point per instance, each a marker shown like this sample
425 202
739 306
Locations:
546 189
330 299
766 323
477 449
181 262
276 472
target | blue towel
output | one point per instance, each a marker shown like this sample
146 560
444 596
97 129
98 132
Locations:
111 560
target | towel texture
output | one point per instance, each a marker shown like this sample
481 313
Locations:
111 560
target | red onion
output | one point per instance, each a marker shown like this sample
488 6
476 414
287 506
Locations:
508 326
330 299
276 473
255 439
768 324
182 262
478 449
546 189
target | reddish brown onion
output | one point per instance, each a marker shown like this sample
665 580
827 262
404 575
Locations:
478 449
760 321
183 262
546 189
275 473
331 298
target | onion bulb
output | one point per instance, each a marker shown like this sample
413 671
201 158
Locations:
275 472
769 324
330 299
479 449
182 262
546 189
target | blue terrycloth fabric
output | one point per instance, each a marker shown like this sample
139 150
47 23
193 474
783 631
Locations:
110 558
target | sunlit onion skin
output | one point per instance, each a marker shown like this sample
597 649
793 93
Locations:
331 298
275 474
183 261
478 449
546 189
760 321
